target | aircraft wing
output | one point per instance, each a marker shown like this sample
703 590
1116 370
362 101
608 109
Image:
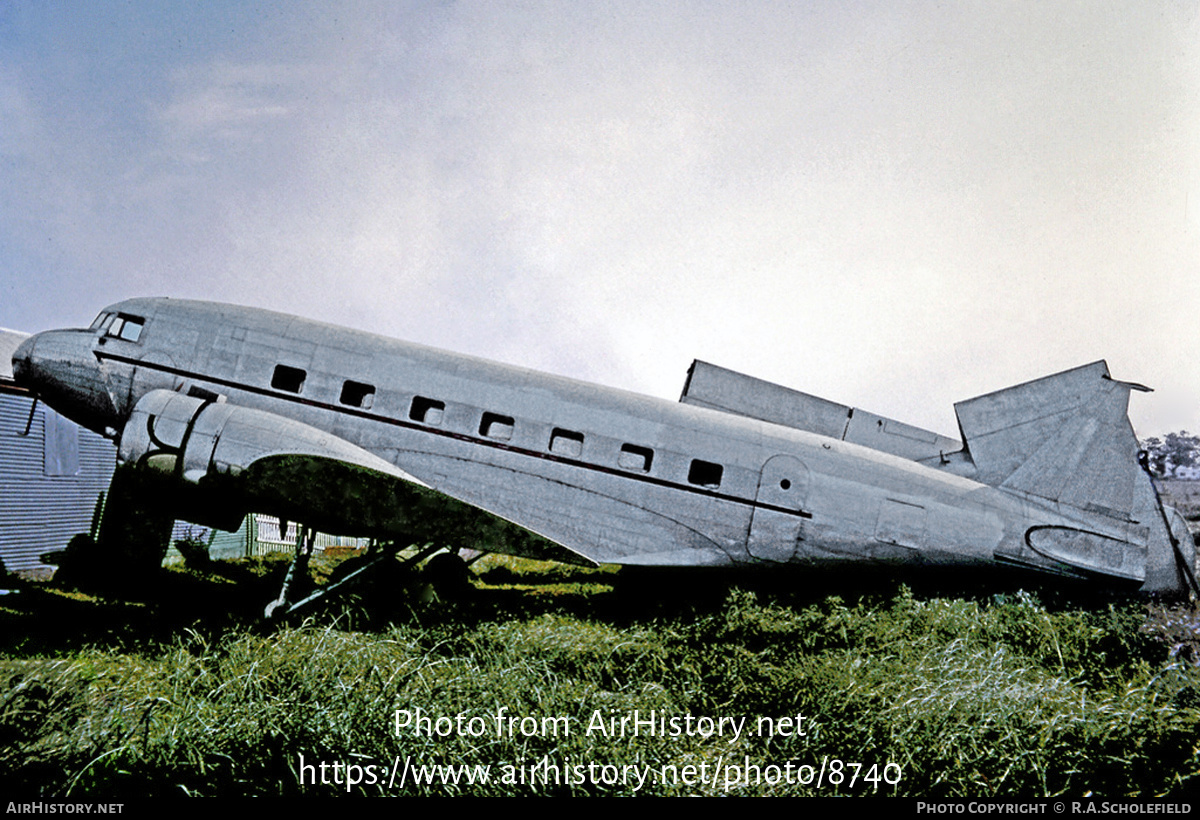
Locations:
239 459
718 388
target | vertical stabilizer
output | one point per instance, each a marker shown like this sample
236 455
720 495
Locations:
1066 439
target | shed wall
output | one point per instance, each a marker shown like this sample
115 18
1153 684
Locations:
50 481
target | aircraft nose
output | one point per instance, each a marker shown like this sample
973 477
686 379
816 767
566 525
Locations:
22 357
59 366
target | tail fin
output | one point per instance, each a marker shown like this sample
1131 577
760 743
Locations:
1067 439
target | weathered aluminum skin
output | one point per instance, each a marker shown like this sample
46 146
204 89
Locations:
1047 479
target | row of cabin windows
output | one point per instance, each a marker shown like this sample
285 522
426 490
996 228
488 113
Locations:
354 394
567 443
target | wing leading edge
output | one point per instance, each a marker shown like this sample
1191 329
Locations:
239 459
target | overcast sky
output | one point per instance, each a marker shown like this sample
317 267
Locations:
892 205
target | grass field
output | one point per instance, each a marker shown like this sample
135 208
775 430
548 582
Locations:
530 680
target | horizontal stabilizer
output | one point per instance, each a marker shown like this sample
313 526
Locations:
729 391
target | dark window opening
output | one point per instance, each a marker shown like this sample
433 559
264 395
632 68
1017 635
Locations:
357 394
705 473
633 457
566 443
427 411
287 378
496 426
202 394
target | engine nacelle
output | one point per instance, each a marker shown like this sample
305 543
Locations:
227 460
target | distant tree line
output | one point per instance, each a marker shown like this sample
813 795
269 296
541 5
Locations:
1175 455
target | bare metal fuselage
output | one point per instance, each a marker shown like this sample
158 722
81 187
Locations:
612 476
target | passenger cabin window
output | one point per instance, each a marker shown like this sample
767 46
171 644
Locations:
566 443
705 473
357 394
427 411
126 328
287 378
633 457
496 426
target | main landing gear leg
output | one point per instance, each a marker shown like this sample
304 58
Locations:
297 573
282 608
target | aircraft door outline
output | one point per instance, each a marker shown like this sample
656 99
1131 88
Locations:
776 527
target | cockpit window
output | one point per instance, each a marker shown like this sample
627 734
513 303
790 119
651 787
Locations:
128 328
99 321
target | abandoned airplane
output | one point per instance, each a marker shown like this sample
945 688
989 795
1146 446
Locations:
233 409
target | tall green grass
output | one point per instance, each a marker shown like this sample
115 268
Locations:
994 697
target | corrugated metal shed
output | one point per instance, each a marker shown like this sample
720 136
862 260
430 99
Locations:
51 475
